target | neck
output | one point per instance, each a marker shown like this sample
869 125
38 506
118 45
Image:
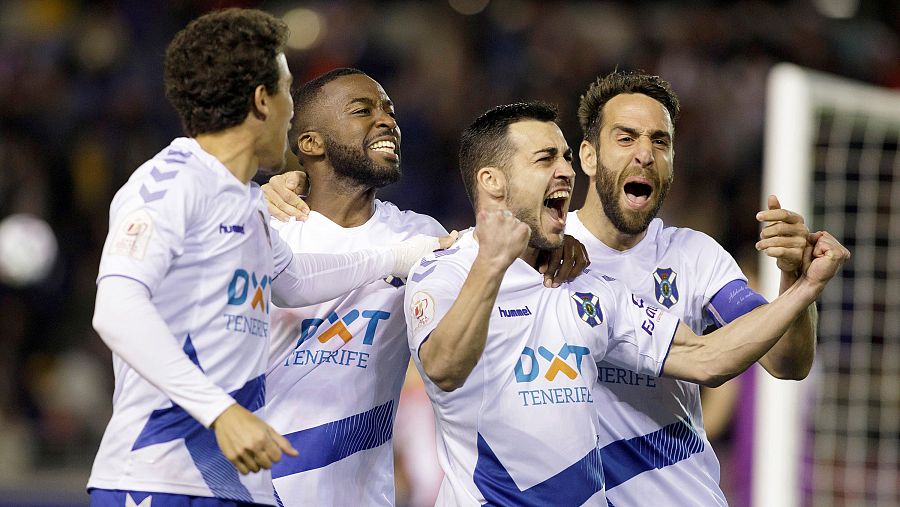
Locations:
341 201
234 149
595 220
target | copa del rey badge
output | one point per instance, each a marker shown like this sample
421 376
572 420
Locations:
666 290
422 309
588 308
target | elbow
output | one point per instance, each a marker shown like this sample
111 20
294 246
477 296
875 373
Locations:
446 380
104 324
713 379
791 371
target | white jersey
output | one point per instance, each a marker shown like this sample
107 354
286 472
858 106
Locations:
522 429
198 239
336 370
652 437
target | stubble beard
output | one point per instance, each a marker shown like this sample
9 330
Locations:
537 240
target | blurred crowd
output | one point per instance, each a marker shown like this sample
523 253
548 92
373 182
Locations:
82 105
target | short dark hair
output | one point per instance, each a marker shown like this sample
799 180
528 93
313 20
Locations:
590 108
484 142
306 95
215 63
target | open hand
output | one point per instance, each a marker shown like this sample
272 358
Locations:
563 264
282 194
249 443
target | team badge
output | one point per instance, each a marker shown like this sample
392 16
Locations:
422 309
588 308
666 290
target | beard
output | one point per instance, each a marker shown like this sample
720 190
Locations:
624 220
353 164
537 240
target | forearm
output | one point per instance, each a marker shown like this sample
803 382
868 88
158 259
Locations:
725 353
143 340
792 356
453 349
315 278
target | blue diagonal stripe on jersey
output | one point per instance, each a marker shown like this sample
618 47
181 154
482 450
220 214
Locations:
573 486
331 442
173 423
624 459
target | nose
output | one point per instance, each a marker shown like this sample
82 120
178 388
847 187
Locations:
386 120
565 171
643 152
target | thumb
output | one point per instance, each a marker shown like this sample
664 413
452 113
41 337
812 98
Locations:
292 180
773 202
284 444
448 240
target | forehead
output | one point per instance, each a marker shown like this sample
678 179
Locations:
636 110
530 136
345 89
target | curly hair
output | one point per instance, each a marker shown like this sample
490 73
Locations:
484 142
590 108
213 66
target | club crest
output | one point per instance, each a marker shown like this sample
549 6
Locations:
588 308
666 290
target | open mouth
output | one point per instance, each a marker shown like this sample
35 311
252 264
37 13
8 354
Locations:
385 146
556 204
638 192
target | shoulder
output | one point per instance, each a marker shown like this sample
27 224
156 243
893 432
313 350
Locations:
686 240
407 220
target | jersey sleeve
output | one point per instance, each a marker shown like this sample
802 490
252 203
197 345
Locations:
147 226
724 279
431 289
638 335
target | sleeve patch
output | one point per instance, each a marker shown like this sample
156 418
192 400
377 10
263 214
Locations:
732 301
422 309
133 235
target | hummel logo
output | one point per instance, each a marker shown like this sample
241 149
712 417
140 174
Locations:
514 313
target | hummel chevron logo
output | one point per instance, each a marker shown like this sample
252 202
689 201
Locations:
149 196
161 176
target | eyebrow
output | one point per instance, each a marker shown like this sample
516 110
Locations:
552 151
654 134
369 102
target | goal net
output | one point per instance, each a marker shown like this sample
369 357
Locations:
831 154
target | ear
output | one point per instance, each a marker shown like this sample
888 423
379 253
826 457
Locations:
311 144
491 184
588 156
260 109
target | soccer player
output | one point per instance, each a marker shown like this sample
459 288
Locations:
336 369
186 274
652 428
510 365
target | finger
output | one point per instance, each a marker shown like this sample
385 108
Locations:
247 464
262 459
241 467
781 253
566 264
292 179
284 445
772 202
784 229
779 215
782 241
448 240
552 260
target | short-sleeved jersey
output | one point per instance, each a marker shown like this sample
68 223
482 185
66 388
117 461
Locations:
198 239
522 429
336 369
652 437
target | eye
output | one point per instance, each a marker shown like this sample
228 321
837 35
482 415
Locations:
568 156
625 139
362 111
663 143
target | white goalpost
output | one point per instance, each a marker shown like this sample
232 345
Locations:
831 154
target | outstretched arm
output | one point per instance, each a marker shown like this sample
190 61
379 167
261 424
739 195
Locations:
453 348
785 239
714 358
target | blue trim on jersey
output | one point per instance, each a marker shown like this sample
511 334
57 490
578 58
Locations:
733 300
624 459
117 498
331 442
662 365
573 486
174 423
